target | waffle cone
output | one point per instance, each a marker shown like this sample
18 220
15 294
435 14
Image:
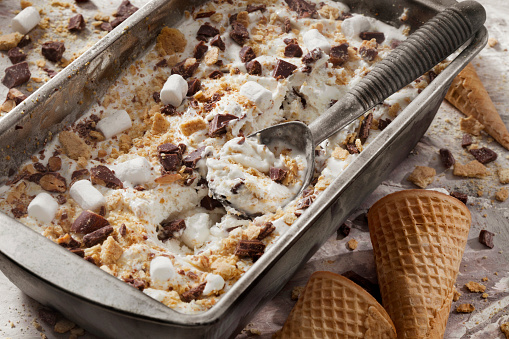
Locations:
332 306
468 94
418 238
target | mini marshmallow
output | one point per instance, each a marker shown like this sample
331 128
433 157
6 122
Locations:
214 284
258 94
86 195
135 171
114 123
197 230
43 207
355 25
26 20
161 269
314 39
174 90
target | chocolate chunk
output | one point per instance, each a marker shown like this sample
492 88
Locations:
81 174
254 8
19 211
193 294
193 86
254 67
123 230
371 288
170 162
204 15
344 230
209 203
303 8
432 75
36 177
88 222
233 18
98 236
168 148
206 31
305 202
352 149
200 50
382 124
216 74
484 155
16 55
53 50
460 196
90 260
293 51
156 96
136 283
218 125
106 26
339 54
168 110
193 157
368 51
126 9
486 238
54 164
51 73
53 182
247 54
61 199
466 140
277 174
267 229
78 251
16 75
25 40
16 95
446 157
169 228
218 42
283 69
365 127
239 33
287 25
102 175
76 23
288 41
250 248
186 68
378 36
48 316
312 56
39 167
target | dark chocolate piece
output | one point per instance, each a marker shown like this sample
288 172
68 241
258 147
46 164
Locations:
378 36
106 26
303 8
218 42
218 125
16 55
136 283
235 189
16 75
123 230
352 149
168 148
254 8
186 69
460 196
432 75
193 294
39 167
53 50
382 124
266 230
80 175
156 96
76 23
293 51
51 73
53 182
102 175
200 50
239 33
344 230
288 41
25 40
287 25
206 31
277 174
365 127
170 162
254 67
368 52
312 56
88 222
283 69
168 110
339 54
446 157
192 158
169 228
16 95
486 238
247 54
250 248
61 199
204 15
484 155
98 236
126 9
209 203
305 202
216 74
193 86
466 140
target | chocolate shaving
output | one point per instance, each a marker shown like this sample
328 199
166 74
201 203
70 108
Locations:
169 228
102 175
53 50
247 54
16 75
76 23
486 238
209 203
293 51
365 127
193 294
98 236
303 8
218 42
484 155
192 158
446 157
254 67
466 140
39 167
16 55
239 33
88 222
235 189
283 69
460 196
250 248
277 174
218 125
378 36
123 230
200 50
339 54
267 229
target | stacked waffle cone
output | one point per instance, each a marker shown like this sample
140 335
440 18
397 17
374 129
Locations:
418 239
468 94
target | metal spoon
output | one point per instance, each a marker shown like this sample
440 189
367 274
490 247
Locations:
426 47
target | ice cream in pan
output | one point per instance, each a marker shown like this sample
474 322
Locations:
127 186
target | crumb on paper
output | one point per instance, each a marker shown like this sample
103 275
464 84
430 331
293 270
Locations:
473 169
465 308
503 175
492 42
296 292
456 294
471 126
170 41
484 279
63 326
505 329
484 295
473 286
352 244
36 325
422 176
502 194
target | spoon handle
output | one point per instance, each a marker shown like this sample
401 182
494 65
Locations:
431 43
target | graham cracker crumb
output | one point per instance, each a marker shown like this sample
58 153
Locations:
24 4
484 279
192 126
9 41
297 291
352 244
505 329
502 194
473 286
473 169
160 124
243 18
465 308
329 12
484 295
340 153
212 56
110 251
422 176
471 125
170 41
492 42
73 145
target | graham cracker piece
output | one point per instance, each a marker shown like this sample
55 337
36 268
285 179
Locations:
110 251
473 286
465 308
503 175
502 194
471 126
9 41
193 125
170 41
73 145
473 169
422 176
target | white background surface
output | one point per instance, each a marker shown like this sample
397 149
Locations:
17 311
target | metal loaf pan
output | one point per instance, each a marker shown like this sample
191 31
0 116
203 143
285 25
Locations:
107 307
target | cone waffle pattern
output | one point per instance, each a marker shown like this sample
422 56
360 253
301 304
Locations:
332 306
468 94
418 238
